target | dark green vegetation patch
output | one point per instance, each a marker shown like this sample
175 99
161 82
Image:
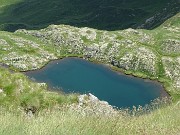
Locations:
98 14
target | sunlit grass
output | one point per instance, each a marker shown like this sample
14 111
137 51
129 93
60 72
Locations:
63 122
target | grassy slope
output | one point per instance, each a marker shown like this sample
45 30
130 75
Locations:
164 121
106 14
19 92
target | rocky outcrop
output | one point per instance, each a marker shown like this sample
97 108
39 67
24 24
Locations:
89 104
170 46
24 54
104 47
172 70
140 59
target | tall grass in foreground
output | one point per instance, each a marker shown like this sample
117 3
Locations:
164 121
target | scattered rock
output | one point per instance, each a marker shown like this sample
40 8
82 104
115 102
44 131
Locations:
30 111
89 104
1 91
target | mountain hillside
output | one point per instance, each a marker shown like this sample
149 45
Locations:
98 14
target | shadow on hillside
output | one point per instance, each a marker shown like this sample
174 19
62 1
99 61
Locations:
98 14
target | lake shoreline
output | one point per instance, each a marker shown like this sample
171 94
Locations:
163 91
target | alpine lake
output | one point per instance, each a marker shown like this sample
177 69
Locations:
81 76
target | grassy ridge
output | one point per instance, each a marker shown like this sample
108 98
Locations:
18 92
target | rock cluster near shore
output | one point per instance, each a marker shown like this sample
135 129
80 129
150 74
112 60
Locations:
33 56
89 104
101 46
172 69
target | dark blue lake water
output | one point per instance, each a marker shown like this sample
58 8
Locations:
78 75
